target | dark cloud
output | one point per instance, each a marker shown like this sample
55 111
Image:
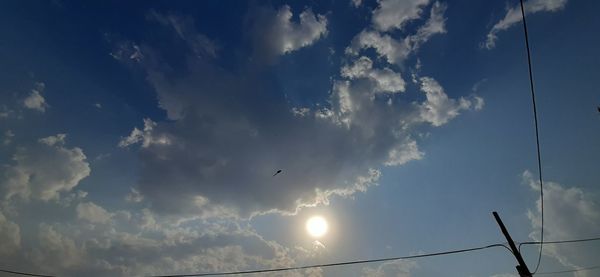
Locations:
229 131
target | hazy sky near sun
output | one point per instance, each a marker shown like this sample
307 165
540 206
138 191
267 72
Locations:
143 138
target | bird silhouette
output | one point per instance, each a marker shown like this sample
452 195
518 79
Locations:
278 171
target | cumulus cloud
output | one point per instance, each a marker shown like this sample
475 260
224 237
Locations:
394 14
73 197
569 213
92 213
276 33
435 24
514 16
219 149
438 109
56 251
10 236
126 245
403 153
44 169
35 100
146 137
397 50
386 80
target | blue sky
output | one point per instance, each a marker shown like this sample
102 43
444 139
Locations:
141 138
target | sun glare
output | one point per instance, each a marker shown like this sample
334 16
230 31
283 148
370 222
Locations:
316 226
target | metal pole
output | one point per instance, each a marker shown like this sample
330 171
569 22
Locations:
522 267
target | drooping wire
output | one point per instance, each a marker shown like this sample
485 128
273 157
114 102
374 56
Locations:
335 264
300 267
352 262
537 136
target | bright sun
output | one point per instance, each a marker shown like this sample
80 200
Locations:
317 226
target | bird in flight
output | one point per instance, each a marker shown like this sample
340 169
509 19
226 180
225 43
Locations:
278 171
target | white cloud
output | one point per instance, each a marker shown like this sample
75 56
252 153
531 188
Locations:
35 100
514 16
43 170
397 50
59 139
394 51
147 137
386 79
295 36
93 213
394 14
275 32
478 103
10 236
403 153
356 3
435 24
569 213
438 109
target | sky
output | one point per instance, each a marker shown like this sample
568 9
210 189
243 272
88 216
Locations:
142 138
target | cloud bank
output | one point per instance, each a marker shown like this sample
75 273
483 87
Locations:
226 134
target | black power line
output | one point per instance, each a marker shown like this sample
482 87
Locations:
25 273
570 271
335 264
301 267
537 136
559 241
351 262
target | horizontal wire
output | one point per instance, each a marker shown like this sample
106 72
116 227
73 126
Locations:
25 273
334 264
569 271
353 262
559 241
